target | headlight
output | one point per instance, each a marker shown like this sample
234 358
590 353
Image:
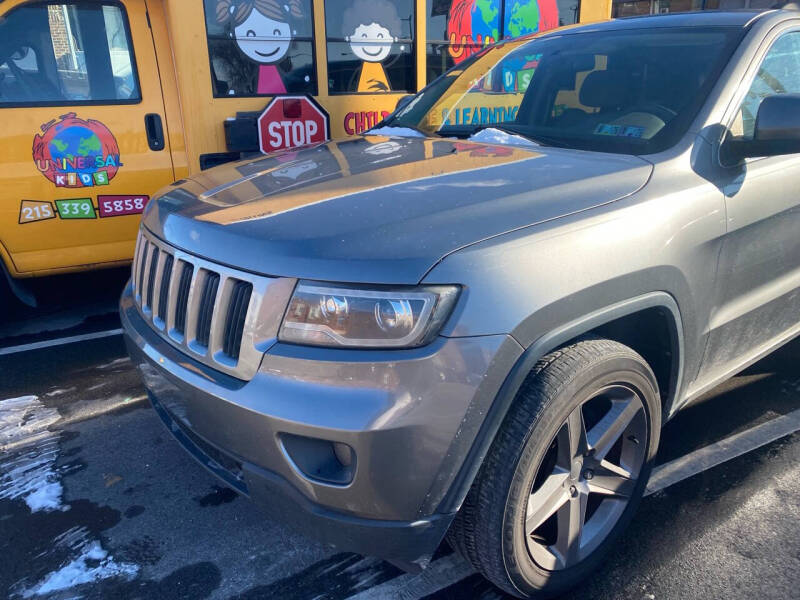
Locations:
330 315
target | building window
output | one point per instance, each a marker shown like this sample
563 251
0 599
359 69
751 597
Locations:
370 46
260 47
655 7
457 29
75 53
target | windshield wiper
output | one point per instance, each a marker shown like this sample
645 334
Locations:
387 125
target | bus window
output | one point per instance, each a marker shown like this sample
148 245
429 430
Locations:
457 29
66 54
260 47
370 46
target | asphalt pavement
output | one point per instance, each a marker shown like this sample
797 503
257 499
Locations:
98 501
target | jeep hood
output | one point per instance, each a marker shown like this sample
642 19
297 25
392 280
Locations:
375 209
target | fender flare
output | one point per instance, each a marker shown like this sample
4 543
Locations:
545 344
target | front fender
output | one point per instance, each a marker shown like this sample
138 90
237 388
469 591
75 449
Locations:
540 348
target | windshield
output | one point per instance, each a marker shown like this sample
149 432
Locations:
632 91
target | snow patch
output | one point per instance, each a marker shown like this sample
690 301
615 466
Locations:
74 538
22 417
490 135
46 495
390 131
28 471
93 564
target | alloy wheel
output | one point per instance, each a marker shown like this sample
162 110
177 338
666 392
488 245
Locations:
587 477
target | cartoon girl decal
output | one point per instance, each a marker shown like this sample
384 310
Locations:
263 31
370 27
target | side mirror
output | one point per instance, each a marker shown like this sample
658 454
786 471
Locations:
777 130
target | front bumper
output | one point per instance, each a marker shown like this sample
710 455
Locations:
409 417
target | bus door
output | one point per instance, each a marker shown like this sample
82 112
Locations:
84 131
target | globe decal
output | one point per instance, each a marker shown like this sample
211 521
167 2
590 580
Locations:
76 141
473 24
523 17
484 21
73 152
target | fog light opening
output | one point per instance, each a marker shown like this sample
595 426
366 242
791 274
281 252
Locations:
323 461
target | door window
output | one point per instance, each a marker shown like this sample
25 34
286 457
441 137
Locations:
370 46
779 74
68 54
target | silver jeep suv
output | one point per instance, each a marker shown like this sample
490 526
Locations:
473 320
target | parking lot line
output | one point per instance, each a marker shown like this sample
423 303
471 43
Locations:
722 451
451 569
59 341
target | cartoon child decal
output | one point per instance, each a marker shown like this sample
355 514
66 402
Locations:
263 32
370 27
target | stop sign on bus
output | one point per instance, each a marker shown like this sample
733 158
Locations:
290 121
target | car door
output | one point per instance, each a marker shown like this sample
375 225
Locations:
758 301
84 136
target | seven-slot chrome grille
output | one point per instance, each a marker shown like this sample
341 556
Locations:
222 317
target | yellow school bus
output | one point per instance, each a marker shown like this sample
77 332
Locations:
102 102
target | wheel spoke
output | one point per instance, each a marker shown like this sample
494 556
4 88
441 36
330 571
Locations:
615 469
611 483
606 432
577 433
563 455
571 518
545 501
544 555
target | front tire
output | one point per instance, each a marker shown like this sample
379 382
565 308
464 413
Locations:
565 472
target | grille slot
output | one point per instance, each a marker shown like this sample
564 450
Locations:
234 321
206 311
163 294
182 302
142 263
151 278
